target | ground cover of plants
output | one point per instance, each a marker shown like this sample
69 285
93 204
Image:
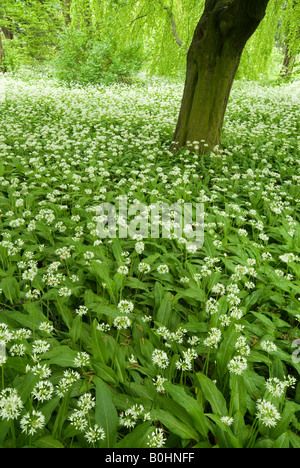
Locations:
131 343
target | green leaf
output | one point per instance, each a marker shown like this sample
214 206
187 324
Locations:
158 294
47 442
265 320
197 294
164 312
26 386
138 438
174 425
282 442
104 372
294 439
48 408
101 272
61 416
76 329
212 395
61 356
10 288
238 391
226 349
285 421
98 344
223 433
191 406
106 415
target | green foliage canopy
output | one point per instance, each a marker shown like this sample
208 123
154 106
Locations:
162 29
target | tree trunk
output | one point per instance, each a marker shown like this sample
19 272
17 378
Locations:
212 63
288 64
67 12
8 33
1 54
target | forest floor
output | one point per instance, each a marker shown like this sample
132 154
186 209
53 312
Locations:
139 341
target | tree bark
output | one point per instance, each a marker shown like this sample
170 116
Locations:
212 63
288 64
67 12
1 54
8 33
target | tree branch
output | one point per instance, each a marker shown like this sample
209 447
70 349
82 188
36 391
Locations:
136 19
174 27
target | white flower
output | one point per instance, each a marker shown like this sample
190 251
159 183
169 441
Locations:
267 413
86 402
46 327
163 269
82 310
122 323
40 347
227 420
89 255
65 292
31 422
125 306
268 346
123 270
276 387
94 434
157 439
213 339
159 384
10 404
82 359
43 390
79 419
144 268
139 247
160 358
211 306
237 365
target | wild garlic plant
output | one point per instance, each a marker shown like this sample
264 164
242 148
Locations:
147 342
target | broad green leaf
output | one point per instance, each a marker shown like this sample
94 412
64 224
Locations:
283 441
26 385
138 438
106 415
294 439
76 329
104 372
191 405
174 425
10 288
223 433
212 395
47 442
238 392
61 356
285 421
197 294
226 350
164 312
265 320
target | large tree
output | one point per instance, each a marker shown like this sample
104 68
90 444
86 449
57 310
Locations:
1 52
212 62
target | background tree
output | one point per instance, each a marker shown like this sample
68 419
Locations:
30 30
161 32
1 53
290 35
